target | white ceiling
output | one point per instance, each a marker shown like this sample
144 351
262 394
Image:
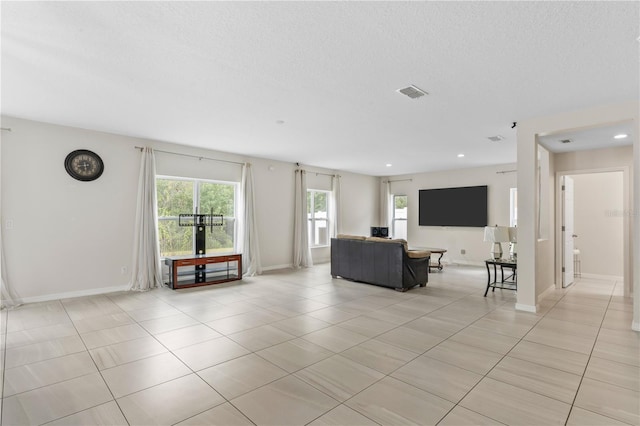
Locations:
221 75
593 138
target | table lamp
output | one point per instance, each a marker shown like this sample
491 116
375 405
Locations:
496 235
513 238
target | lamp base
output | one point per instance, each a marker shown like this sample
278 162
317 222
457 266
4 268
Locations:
513 252
496 252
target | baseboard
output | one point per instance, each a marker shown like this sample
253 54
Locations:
72 294
462 262
544 294
276 267
526 308
602 277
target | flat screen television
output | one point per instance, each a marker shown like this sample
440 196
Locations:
464 206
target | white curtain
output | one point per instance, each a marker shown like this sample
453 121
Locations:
8 298
248 226
301 249
385 203
336 212
146 272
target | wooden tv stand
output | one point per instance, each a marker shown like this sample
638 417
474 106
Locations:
204 269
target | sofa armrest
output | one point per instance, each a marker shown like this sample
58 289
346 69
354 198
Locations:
418 254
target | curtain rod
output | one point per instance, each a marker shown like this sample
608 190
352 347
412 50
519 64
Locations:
199 157
317 173
506 171
399 180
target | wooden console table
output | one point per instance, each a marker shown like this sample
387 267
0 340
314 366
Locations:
205 269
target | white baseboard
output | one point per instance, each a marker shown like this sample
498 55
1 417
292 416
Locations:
462 262
275 267
545 293
602 277
527 308
72 294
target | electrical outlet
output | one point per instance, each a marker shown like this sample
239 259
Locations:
463 251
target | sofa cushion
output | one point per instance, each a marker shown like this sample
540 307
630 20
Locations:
387 240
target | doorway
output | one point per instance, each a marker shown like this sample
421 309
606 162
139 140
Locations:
592 230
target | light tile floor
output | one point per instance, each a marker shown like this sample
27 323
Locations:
298 347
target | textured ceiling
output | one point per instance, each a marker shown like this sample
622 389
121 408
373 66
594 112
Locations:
222 75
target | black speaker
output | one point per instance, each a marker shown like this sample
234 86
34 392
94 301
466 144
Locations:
384 232
375 231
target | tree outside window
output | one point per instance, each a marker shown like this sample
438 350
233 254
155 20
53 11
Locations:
318 215
179 196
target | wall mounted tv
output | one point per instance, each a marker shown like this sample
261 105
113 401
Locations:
464 206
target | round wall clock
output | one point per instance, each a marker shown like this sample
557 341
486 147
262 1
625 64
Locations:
84 165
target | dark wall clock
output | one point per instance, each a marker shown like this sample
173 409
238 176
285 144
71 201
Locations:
84 165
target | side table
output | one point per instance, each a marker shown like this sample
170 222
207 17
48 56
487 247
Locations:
511 283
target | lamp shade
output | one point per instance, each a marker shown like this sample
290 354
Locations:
513 234
496 234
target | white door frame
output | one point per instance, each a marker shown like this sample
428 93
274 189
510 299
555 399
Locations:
567 229
626 230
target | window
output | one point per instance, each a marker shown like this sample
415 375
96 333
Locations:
400 216
318 214
178 196
513 207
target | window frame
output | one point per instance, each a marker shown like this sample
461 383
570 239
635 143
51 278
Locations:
195 205
311 222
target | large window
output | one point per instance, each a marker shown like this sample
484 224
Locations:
179 196
399 216
318 214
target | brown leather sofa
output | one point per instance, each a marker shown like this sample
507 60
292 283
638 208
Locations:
379 261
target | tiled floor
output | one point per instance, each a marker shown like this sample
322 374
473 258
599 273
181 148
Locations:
296 348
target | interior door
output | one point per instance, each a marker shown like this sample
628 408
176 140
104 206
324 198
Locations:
567 231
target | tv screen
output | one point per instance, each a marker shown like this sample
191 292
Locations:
465 206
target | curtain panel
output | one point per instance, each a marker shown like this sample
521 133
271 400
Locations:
336 212
249 246
146 272
301 248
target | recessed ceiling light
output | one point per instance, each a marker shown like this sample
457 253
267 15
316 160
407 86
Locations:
621 136
460 155
389 164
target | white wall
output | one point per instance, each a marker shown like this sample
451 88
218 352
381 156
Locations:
71 238
531 258
455 239
598 222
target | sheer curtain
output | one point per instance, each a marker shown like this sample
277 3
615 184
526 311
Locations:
146 272
336 212
301 249
249 246
385 202
8 298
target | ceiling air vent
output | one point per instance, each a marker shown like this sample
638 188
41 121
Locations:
496 138
412 91
565 141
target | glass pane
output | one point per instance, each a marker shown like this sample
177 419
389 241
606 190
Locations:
174 197
220 240
400 229
174 240
321 233
400 206
320 205
217 196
